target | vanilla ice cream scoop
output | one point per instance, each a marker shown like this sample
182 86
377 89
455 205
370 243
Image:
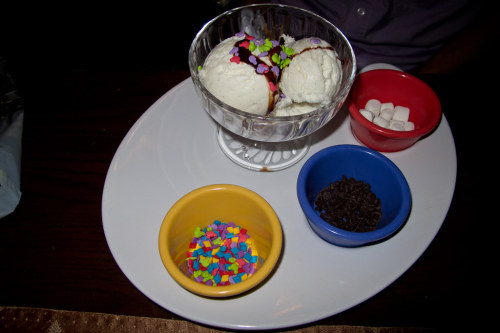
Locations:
236 74
311 79
269 77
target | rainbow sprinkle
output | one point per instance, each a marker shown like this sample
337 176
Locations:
279 55
221 254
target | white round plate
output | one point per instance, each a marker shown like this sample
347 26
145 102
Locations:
172 149
379 65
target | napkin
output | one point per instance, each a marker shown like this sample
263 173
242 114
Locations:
11 126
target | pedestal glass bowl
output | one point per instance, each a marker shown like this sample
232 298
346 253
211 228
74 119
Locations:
268 143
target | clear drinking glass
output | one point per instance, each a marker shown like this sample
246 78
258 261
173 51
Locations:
268 143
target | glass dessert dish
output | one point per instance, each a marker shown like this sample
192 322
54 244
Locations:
268 143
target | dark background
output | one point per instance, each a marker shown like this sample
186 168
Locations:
57 56
44 40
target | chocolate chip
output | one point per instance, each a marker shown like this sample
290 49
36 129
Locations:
349 204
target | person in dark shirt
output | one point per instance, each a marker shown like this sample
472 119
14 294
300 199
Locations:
406 34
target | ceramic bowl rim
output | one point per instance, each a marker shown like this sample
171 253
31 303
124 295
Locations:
355 237
221 291
388 133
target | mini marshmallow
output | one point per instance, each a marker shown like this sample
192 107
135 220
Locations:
386 113
367 114
401 113
385 106
409 126
397 125
373 105
381 122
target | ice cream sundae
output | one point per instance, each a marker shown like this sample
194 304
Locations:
272 77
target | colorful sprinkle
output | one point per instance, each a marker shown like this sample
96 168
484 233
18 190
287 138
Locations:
262 68
315 41
234 51
252 47
279 56
266 46
272 86
283 58
198 233
285 63
245 44
235 59
276 58
252 59
211 234
275 69
221 257
288 50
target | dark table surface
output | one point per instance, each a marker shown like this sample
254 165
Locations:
53 252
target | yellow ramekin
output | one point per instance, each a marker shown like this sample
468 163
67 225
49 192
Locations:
226 203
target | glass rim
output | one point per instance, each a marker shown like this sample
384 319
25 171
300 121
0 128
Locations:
337 98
